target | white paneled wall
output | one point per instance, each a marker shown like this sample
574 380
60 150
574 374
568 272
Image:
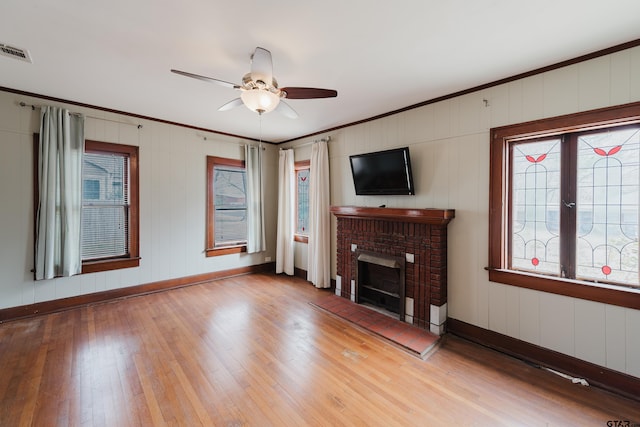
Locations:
172 203
449 143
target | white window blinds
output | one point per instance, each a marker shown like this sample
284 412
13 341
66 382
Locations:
105 205
230 203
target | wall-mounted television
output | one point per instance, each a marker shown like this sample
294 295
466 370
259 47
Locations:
382 172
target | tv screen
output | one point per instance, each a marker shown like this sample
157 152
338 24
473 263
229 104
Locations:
383 172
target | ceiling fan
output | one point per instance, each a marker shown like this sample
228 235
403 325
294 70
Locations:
259 89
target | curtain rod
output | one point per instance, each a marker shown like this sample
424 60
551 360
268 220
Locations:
327 139
33 107
206 138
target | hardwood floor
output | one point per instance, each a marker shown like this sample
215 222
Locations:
251 350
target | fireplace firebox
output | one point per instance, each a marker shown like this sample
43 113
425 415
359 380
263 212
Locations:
380 282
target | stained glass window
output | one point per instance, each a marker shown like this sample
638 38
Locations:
302 177
574 205
607 206
302 194
535 222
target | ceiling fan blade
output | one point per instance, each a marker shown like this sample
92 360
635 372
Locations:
308 93
231 104
206 79
286 110
262 66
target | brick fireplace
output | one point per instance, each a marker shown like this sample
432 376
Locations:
413 238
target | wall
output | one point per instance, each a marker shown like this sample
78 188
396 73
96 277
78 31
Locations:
172 203
449 143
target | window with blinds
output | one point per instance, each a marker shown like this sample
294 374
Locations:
226 206
110 237
230 204
105 205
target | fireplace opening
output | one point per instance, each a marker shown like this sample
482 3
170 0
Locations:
380 282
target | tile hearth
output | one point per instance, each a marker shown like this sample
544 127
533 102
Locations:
415 340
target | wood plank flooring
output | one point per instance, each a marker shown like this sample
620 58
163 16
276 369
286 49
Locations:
251 350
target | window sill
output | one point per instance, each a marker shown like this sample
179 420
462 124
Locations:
598 292
109 264
225 250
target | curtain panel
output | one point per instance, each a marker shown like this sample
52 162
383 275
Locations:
286 213
255 200
59 205
319 251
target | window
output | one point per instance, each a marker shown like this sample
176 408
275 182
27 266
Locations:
110 219
226 206
109 207
565 205
302 201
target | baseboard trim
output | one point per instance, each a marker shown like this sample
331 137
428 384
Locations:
302 274
298 272
599 376
62 304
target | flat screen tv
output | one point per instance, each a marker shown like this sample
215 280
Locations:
383 172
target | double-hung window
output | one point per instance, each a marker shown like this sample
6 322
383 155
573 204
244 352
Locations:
226 206
302 201
109 236
565 205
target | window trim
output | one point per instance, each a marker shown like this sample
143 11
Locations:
500 138
210 249
298 166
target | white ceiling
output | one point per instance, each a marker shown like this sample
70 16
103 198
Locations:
380 56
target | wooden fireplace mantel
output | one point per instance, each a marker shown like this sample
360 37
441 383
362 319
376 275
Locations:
422 216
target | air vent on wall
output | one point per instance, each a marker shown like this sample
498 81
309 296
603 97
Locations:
15 52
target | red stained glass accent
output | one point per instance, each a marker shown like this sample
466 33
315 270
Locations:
601 152
303 178
535 261
614 150
606 270
540 158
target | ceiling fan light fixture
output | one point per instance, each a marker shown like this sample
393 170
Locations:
259 89
260 100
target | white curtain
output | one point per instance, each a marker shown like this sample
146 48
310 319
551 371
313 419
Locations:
255 202
319 251
286 213
58 222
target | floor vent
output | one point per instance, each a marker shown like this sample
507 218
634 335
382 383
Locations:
15 52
